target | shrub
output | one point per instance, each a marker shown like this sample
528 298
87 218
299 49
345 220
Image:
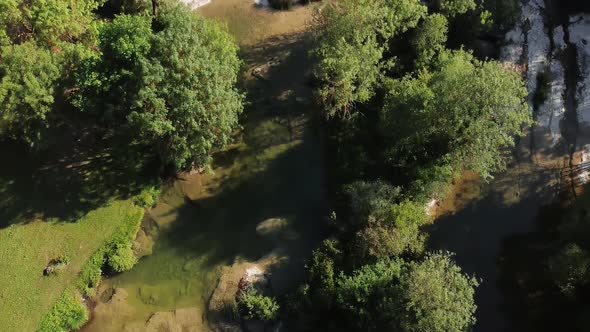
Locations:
67 314
91 273
119 253
570 268
148 197
122 258
253 305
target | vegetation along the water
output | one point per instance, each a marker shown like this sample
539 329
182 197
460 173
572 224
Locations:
294 165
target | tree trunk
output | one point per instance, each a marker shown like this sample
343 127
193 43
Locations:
155 7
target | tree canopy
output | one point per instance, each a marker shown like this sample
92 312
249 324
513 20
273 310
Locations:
172 87
27 90
395 295
463 114
352 39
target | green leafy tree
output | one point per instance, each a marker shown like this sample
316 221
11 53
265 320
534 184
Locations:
27 91
452 8
109 83
253 305
394 295
321 272
352 38
50 22
188 104
463 115
369 293
364 199
430 39
393 232
438 297
173 89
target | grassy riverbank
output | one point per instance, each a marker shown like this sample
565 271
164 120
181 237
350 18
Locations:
25 249
66 204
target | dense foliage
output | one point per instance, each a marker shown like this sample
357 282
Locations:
67 314
462 114
140 86
352 39
165 86
406 116
253 305
27 91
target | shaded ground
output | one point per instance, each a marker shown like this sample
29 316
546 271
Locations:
63 183
275 170
501 236
66 201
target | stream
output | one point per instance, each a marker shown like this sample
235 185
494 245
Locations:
485 223
264 200
262 203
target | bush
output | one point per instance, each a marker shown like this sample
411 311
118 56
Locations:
122 258
119 253
91 273
253 305
67 314
147 198
570 268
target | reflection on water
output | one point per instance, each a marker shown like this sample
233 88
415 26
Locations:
508 205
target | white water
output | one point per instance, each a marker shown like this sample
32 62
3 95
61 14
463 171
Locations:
538 59
194 4
579 30
537 41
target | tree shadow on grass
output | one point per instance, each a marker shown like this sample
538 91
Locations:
64 183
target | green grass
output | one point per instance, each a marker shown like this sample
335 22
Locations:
25 249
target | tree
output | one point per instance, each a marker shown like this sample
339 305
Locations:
49 22
364 199
393 232
321 272
109 83
430 39
396 295
27 91
452 8
352 38
438 297
253 305
463 115
188 104
173 88
369 293
570 268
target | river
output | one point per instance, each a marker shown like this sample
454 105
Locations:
273 175
487 224
262 203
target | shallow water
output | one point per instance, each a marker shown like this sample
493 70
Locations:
483 229
205 222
